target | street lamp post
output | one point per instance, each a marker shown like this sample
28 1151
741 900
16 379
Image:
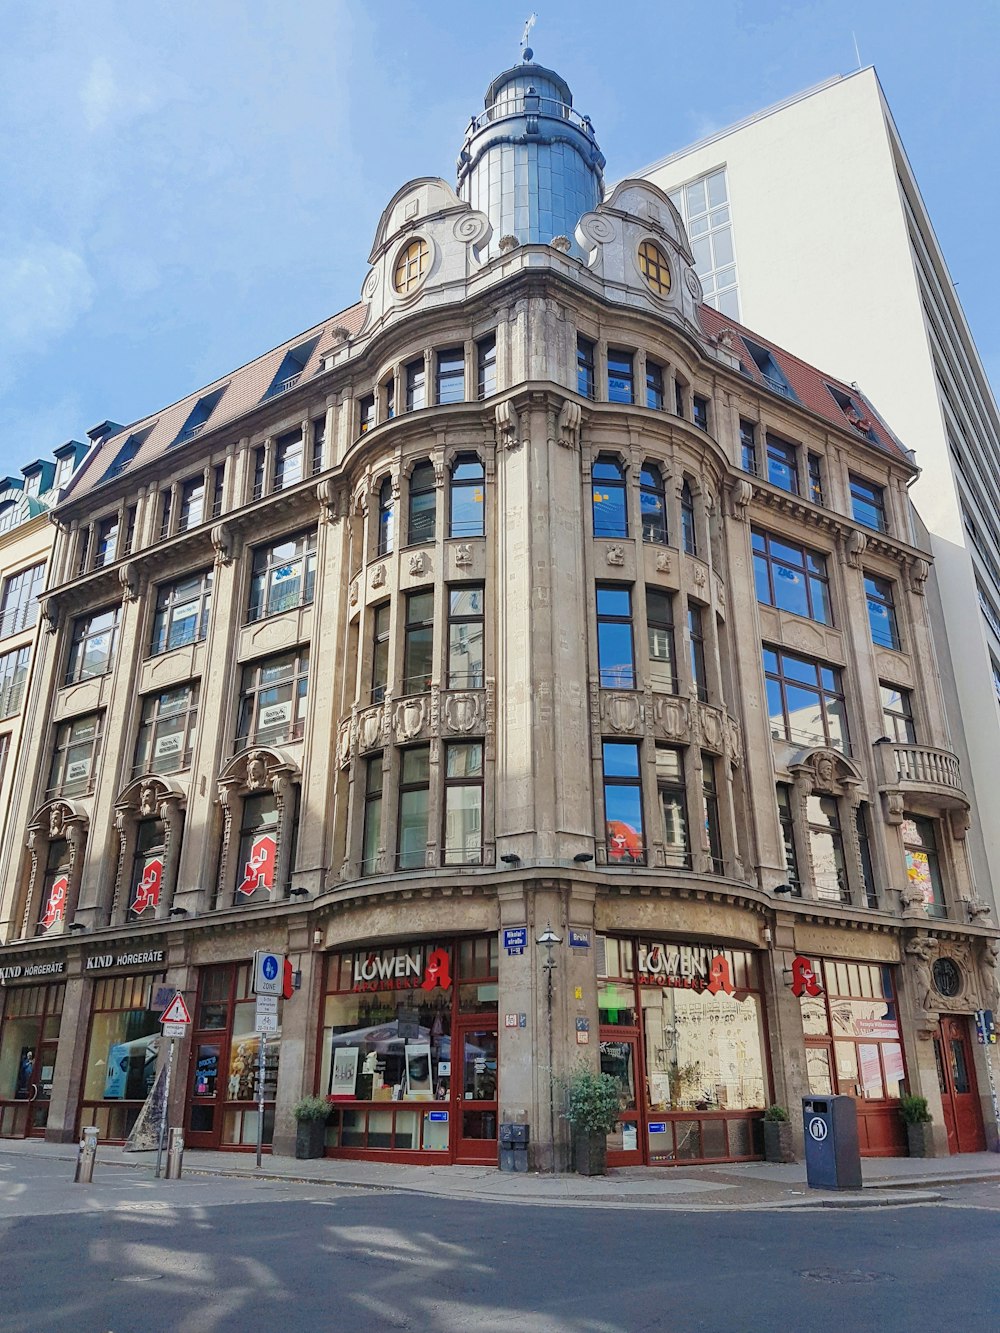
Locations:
550 939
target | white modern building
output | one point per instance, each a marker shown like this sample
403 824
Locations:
811 206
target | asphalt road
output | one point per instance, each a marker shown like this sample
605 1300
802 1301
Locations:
210 1255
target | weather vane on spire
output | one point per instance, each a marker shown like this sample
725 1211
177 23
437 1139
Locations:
526 51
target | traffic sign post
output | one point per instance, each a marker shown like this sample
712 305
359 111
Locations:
268 970
176 1020
262 1046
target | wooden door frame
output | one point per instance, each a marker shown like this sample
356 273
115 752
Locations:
461 1024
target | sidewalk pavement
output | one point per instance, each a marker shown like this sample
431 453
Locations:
756 1185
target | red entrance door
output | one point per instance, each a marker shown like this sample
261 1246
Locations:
474 1090
957 1080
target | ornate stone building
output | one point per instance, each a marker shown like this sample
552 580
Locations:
528 592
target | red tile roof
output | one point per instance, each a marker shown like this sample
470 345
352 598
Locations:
244 389
810 386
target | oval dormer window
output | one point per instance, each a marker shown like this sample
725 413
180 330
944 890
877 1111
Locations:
654 267
411 266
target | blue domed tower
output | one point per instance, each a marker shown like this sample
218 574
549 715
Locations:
530 162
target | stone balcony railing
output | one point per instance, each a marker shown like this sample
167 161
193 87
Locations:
932 776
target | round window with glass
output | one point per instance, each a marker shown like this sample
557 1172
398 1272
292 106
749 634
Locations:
947 977
411 267
654 268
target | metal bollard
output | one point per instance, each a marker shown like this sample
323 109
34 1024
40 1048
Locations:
175 1154
86 1156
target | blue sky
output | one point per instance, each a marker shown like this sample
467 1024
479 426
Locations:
187 184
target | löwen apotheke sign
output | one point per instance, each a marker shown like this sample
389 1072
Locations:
27 971
693 967
402 971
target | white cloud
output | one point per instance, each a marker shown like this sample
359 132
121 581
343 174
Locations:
108 98
44 289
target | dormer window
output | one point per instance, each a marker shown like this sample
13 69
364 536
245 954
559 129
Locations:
198 416
289 372
854 411
771 373
33 482
126 454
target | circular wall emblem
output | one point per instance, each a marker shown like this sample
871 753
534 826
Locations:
947 977
817 1129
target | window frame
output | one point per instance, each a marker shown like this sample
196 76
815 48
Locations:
652 487
655 385
82 634
251 704
265 563
58 783
191 503
457 621
466 475
462 783
381 640
612 782
586 372
770 561
671 789
169 601
386 517
696 640
782 454
486 367
824 694
620 376
422 482
610 623
449 376
418 637
14 667
874 501
899 719
689 531
410 787
881 603
617 486
371 824
19 599
152 717
415 376
662 626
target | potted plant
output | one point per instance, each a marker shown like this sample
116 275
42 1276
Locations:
593 1102
919 1126
310 1126
778 1136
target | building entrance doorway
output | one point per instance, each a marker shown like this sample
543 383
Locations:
957 1080
474 1091
28 1043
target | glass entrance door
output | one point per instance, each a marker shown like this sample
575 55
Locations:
957 1081
474 1093
619 1058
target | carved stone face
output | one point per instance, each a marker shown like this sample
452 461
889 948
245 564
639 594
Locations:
256 772
57 822
147 800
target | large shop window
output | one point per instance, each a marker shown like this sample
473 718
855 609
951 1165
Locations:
696 1014
28 1047
853 1045
409 1049
225 1057
121 1054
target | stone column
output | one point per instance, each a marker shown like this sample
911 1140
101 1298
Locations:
67 1083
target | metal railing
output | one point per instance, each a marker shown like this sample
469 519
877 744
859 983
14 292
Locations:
17 618
530 104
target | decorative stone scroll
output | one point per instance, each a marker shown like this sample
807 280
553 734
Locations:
570 417
507 425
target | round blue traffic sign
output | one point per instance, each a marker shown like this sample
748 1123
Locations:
269 966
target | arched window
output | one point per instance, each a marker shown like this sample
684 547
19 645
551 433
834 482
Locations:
610 515
652 505
420 523
687 520
467 518
386 518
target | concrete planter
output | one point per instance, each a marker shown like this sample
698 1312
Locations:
920 1139
310 1139
590 1153
778 1141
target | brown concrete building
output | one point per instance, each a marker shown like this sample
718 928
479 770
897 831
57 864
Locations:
528 591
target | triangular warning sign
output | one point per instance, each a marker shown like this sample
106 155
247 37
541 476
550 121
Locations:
176 1011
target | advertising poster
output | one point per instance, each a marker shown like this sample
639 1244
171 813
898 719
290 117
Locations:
418 1070
344 1072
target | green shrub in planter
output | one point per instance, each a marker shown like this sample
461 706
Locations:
310 1132
593 1102
778 1135
919 1126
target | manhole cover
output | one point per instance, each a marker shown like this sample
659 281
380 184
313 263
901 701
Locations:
138 1277
844 1276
